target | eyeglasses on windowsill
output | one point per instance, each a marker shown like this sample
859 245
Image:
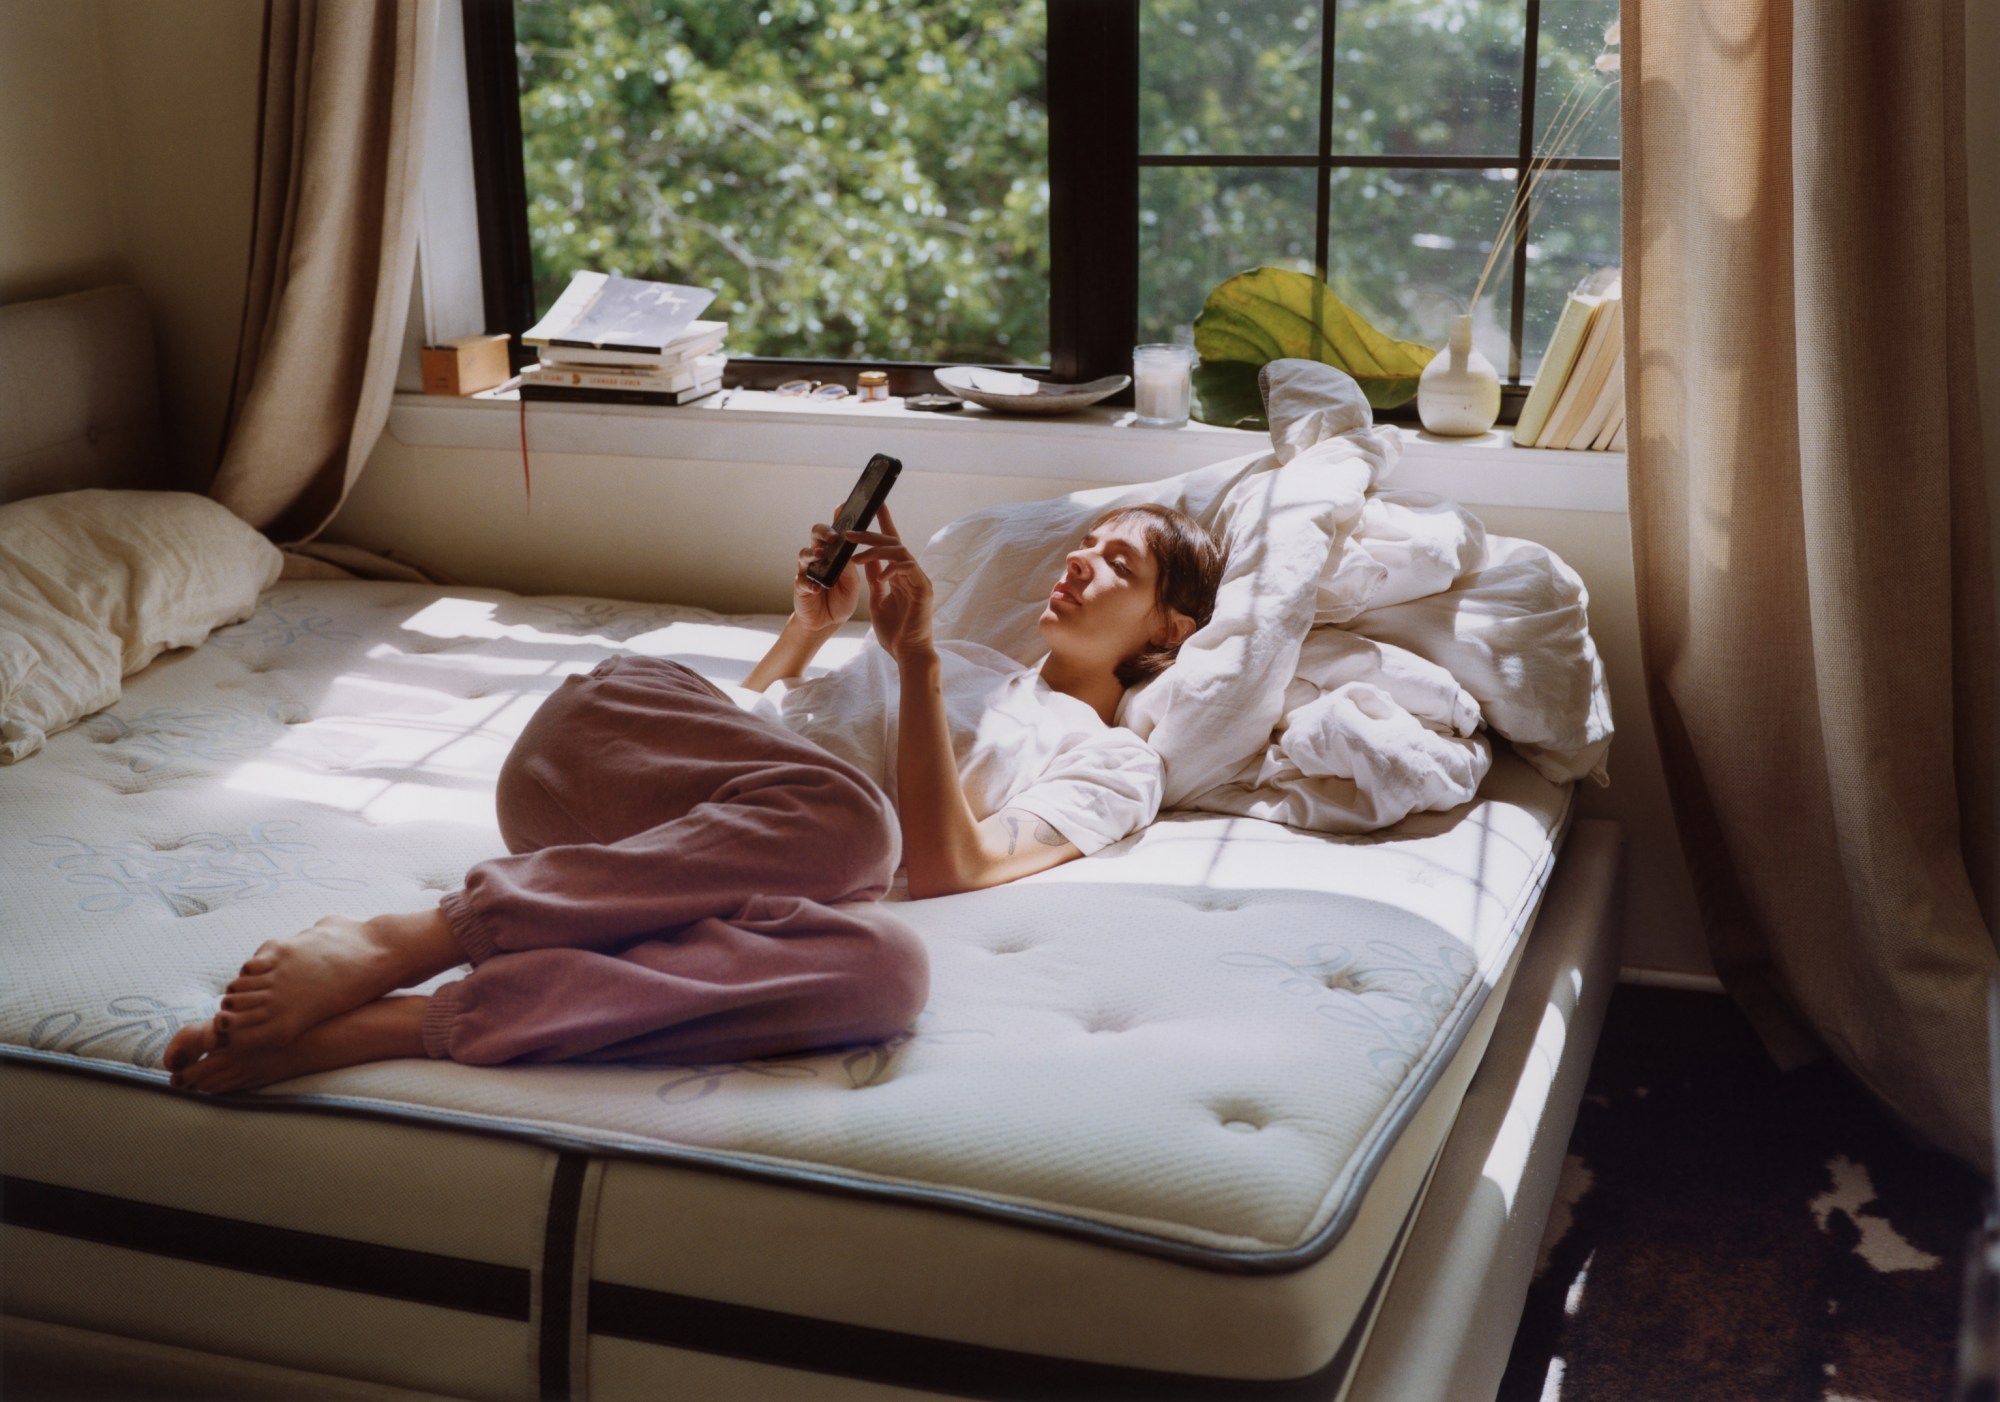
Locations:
814 389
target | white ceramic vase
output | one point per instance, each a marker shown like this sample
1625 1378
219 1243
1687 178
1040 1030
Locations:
1459 392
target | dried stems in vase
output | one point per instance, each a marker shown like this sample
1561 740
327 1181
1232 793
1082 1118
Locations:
1565 130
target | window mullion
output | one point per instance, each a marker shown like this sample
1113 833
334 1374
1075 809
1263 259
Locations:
500 183
1093 88
1323 222
1517 314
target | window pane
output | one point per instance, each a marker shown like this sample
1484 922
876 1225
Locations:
1240 77
1407 246
1568 85
1199 225
1573 232
858 180
1437 79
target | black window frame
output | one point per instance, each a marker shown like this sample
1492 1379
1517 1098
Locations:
1094 165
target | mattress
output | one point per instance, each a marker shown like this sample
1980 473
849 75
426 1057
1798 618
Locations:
1163 1126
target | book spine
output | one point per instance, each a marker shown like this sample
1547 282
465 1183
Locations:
583 395
1558 362
576 375
628 362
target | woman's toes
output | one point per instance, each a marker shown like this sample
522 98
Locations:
239 1013
211 1074
188 1046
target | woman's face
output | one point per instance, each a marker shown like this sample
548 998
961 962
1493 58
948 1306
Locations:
1105 607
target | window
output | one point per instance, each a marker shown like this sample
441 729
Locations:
1035 182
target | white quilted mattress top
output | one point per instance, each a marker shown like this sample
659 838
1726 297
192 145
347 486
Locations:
1198 1043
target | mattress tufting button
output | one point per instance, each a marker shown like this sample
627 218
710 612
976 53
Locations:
1241 1126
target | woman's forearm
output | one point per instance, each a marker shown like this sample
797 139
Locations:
941 846
789 656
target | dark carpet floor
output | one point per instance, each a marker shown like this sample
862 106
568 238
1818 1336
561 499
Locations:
1728 1232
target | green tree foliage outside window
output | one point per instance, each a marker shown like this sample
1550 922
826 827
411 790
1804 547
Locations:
859 179
1410 77
867 179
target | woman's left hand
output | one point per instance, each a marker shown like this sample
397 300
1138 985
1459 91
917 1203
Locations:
899 592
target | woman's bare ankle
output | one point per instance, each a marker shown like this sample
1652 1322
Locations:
421 943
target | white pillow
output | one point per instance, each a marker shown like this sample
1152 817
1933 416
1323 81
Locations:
1278 514
96 584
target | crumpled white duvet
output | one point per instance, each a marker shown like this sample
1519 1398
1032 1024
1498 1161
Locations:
1365 640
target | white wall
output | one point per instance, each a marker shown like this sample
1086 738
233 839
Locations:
130 157
180 87
58 230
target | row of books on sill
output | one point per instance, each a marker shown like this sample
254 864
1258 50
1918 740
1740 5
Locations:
618 340
1578 400
607 339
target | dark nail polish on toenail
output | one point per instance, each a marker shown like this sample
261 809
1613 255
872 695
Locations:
222 1039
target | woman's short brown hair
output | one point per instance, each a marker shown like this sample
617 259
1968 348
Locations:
1189 565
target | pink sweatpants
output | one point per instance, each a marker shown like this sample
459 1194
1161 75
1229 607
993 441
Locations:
689 883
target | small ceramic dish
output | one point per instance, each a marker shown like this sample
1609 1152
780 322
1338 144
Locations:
1009 393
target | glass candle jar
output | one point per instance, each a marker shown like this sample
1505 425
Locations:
872 386
1162 384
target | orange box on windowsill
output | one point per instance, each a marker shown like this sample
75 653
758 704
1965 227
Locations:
466 365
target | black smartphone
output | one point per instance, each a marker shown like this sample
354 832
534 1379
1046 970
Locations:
857 514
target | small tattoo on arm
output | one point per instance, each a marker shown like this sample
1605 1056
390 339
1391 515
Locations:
1013 833
1047 835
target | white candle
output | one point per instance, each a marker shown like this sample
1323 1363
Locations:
1160 379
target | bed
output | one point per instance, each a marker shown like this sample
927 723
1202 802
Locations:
1228 1110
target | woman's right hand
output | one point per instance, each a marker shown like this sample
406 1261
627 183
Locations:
823 610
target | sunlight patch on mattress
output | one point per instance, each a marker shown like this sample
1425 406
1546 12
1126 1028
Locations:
383 802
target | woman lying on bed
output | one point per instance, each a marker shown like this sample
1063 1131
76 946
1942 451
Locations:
696 880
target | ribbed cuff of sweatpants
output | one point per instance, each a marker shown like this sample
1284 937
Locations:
468 926
439 1014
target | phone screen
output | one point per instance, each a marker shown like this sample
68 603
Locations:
857 513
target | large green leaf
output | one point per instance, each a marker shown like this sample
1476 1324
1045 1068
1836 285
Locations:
1271 314
1226 394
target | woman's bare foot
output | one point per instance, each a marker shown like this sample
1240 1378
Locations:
189 1045
339 964
385 1030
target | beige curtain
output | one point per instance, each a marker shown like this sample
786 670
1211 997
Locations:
333 247
1809 523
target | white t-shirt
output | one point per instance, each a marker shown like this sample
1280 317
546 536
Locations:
1019 742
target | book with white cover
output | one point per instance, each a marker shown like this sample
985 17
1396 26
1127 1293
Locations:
665 379
602 312
1600 352
1608 405
699 339
1561 356
1612 428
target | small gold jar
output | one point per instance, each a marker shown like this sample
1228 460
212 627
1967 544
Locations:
872 386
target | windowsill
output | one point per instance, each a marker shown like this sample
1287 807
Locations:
1090 447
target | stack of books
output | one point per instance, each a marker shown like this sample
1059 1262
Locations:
1579 396
616 340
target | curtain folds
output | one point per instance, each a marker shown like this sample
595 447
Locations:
333 246
1809 524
